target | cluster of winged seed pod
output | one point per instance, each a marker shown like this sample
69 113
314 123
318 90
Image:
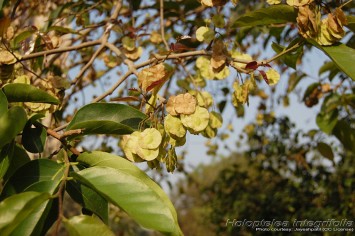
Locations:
310 24
189 112
142 146
186 112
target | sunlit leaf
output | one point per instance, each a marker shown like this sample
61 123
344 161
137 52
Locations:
86 225
123 184
41 175
342 55
15 209
27 93
106 118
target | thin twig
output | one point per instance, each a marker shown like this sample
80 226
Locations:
55 135
162 28
60 50
87 65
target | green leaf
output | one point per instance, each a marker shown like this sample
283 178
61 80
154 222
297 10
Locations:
328 116
22 36
331 67
62 30
20 159
345 134
11 123
327 121
3 103
6 154
137 194
290 58
27 93
1 4
15 209
35 223
86 225
88 199
107 118
342 55
294 79
40 175
276 14
325 150
34 137
351 23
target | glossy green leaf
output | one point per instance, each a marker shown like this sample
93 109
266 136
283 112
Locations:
35 223
17 208
107 118
20 159
325 150
138 195
3 103
88 199
40 175
27 93
34 137
6 154
345 134
86 225
276 14
11 123
342 55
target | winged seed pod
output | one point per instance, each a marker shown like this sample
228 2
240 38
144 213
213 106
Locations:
181 104
153 76
219 56
298 3
140 146
174 127
7 61
197 121
308 21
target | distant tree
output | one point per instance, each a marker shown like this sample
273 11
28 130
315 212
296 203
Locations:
262 184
